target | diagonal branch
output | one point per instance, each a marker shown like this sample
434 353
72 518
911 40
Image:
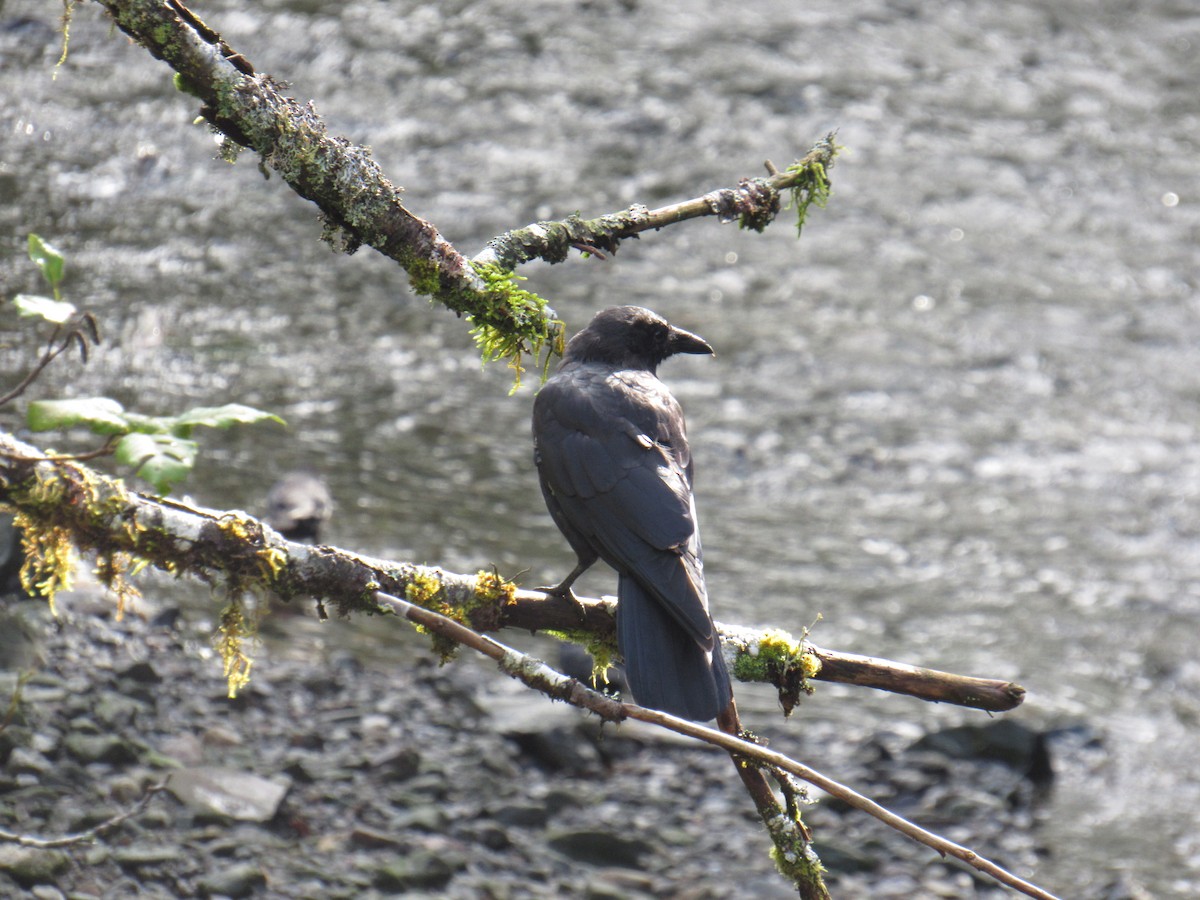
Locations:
536 674
83 837
360 205
339 177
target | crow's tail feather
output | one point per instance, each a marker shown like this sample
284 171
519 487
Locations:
667 669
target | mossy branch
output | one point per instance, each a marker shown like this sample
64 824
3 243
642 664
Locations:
63 501
753 204
358 202
360 205
94 513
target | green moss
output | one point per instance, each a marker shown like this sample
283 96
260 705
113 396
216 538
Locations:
490 587
792 853
513 322
603 650
778 658
813 187
426 590
423 277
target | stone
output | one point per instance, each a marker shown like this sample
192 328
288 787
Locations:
29 866
102 748
398 763
239 880
421 869
28 762
522 815
138 855
228 793
599 848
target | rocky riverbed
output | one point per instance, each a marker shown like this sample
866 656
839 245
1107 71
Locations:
359 767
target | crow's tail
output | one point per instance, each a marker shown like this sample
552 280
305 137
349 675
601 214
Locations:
667 669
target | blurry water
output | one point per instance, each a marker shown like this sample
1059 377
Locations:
958 419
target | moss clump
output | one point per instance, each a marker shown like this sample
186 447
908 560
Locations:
49 559
603 650
426 589
114 571
514 323
813 187
792 852
776 657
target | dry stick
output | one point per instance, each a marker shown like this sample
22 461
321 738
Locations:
529 610
988 694
538 675
92 833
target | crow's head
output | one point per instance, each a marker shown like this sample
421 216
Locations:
632 337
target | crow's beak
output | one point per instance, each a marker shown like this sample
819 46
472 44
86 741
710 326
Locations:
685 342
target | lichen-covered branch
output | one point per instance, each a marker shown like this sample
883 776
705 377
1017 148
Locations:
359 204
65 504
753 204
62 504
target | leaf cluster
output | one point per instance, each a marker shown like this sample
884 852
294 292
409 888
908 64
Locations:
159 449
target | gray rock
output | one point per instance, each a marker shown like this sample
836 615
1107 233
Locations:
102 748
138 855
396 763
422 869
422 818
228 792
28 866
599 848
28 762
239 880
523 815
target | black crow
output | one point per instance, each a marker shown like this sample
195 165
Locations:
616 472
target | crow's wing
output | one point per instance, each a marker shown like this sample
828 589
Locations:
612 451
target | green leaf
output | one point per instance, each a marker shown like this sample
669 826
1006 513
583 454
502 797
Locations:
161 459
56 311
102 415
224 416
47 258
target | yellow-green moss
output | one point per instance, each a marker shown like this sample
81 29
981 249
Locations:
114 571
603 650
49 565
491 587
426 590
792 852
235 631
778 658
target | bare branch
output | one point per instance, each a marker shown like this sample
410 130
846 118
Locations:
26 840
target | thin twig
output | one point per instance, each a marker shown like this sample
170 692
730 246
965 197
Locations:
538 675
25 840
48 356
